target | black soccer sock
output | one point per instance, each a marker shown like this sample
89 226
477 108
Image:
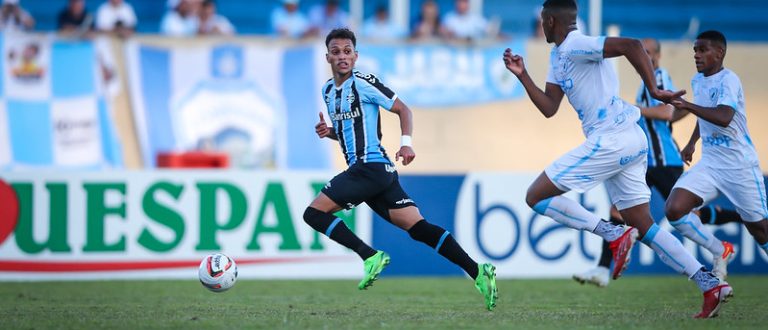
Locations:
717 216
443 242
336 230
616 221
606 255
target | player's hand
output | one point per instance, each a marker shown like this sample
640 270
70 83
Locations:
514 63
680 103
322 128
667 96
687 153
406 153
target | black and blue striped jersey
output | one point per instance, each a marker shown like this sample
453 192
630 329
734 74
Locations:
663 150
354 110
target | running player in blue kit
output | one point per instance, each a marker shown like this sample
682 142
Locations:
615 150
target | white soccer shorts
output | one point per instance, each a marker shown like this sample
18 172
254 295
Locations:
744 187
619 159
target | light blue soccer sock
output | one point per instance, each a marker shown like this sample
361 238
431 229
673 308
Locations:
670 251
572 214
690 225
705 279
764 247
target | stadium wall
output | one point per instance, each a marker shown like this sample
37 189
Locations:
160 224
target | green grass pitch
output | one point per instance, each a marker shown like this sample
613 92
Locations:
394 303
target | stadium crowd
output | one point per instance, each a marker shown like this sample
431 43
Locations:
288 19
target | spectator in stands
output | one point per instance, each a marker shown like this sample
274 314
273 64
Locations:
428 25
212 23
381 27
116 16
324 18
461 24
14 18
74 18
288 21
181 19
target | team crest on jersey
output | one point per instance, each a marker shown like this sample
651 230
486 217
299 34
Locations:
351 98
713 94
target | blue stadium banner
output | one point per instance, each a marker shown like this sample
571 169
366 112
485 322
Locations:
443 75
53 108
230 97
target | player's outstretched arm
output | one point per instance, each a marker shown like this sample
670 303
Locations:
406 127
687 152
547 101
633 50
661 111
323 130
720 115
678 114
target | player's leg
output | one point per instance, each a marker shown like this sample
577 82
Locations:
716 215
344 189
631 196
678 209
674 255
664 179
545 198
696 188
442 241
600 275
746 189
759 230
397 207
319 216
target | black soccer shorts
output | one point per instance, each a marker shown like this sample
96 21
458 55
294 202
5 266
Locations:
376 184
663 178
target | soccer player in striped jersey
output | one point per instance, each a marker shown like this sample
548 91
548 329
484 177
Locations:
615 152
353 100
729 162
665 165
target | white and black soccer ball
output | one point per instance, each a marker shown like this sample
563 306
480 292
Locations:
218 272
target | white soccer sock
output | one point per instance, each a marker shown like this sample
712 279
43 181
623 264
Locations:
671 251
567 212
691 226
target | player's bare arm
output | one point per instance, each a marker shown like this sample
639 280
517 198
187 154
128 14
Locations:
323 130
661 111
690 148
720 115
678 114
633 50
548 100
406 127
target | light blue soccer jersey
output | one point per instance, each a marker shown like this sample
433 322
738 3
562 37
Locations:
663 148
354 111
724 147
591 85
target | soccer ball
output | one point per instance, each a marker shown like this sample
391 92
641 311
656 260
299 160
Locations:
218 272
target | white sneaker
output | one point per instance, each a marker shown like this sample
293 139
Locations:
720 263
597 276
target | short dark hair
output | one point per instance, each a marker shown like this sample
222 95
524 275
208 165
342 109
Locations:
560 4
341 33
714 36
